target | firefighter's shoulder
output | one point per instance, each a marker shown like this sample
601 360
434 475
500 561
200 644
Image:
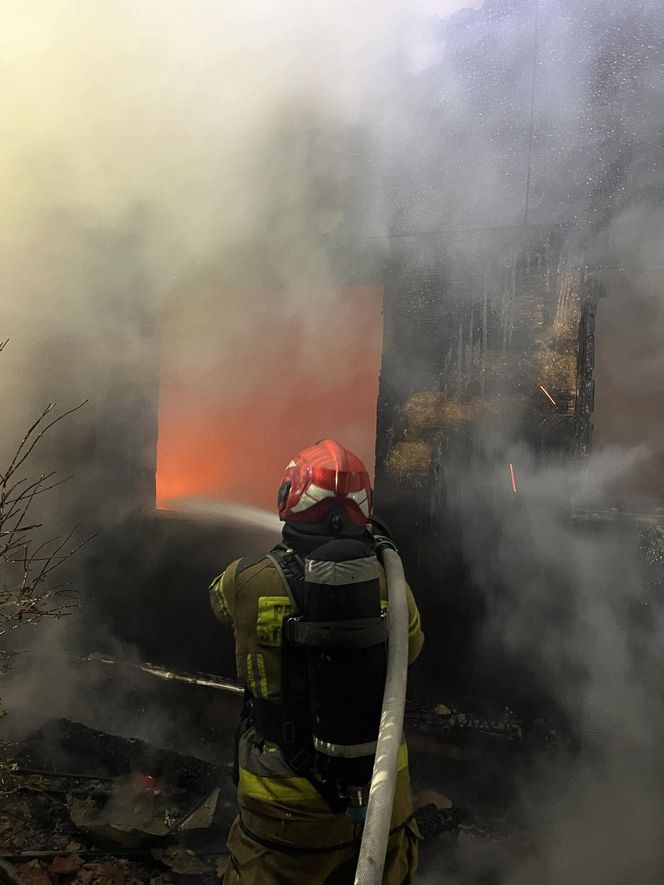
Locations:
225 587
222 593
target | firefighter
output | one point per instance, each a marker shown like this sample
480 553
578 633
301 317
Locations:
297 821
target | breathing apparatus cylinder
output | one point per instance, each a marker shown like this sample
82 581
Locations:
344 631
383 781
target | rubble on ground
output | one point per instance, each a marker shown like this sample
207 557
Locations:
124 813
80 806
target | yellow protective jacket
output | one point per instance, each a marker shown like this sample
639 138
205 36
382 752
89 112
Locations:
275 804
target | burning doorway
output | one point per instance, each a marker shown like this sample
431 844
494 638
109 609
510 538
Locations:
267 374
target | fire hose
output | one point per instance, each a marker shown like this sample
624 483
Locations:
383 780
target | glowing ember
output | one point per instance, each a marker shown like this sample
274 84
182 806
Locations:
145 783
513 477
547 394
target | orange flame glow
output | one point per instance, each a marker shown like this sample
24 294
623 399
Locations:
235 409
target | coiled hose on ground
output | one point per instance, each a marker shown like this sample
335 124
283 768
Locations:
383 781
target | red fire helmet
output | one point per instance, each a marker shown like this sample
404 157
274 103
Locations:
322 478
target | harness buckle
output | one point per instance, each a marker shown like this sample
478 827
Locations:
290 628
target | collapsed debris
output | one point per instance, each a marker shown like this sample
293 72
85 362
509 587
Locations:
91 807
87 804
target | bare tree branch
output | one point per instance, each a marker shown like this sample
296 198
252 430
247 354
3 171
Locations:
16 463
19 482
40 491
27 561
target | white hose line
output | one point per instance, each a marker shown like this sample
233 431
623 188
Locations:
383 780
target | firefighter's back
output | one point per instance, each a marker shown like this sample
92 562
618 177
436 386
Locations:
285 830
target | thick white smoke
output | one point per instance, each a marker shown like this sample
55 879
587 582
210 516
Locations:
146 146
152 154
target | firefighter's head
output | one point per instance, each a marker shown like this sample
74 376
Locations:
326 485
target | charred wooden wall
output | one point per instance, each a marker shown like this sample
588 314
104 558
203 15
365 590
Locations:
492 339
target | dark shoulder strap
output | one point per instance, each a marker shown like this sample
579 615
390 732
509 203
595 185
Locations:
290 569
381 538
